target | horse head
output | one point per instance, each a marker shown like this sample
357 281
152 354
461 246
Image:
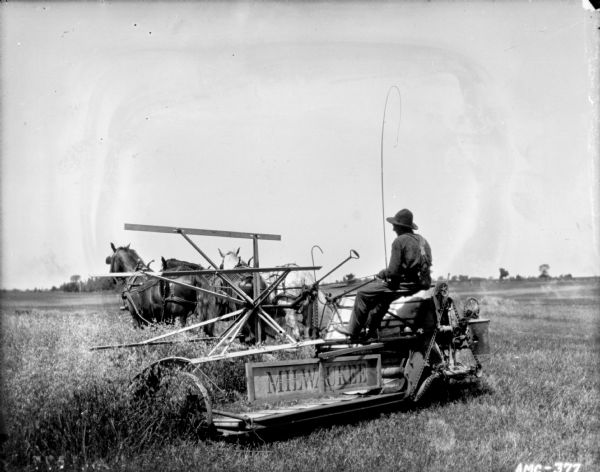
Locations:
124 259
231 260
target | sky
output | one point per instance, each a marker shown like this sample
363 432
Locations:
268 118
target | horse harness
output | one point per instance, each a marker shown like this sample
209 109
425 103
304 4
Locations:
135 287
166 291
168 296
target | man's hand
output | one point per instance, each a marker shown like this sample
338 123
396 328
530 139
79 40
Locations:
382 274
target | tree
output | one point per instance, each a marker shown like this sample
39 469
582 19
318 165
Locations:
76 282
503 273
349 278
544 268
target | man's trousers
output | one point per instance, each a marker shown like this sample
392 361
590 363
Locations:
370 306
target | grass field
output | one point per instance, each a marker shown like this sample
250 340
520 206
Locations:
68 408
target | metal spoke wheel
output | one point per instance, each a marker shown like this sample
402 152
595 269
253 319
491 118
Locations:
186 401
171 391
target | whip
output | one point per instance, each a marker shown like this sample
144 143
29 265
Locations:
393 87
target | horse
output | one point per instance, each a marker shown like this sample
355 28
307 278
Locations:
182 300
141 295
144 296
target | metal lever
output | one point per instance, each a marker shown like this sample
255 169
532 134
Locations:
353 255
312 258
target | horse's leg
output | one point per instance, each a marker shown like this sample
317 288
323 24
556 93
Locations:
189 299
207 306
145 308
134 306
203 315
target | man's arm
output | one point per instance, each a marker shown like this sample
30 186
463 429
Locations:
395 266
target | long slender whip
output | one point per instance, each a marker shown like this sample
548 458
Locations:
393 87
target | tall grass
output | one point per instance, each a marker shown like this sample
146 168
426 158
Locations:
69 408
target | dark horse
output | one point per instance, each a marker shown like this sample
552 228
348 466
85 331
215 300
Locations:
178 297
144 296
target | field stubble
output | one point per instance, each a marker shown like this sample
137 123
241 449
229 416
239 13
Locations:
66 407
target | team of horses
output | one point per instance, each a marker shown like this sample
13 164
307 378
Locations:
150 300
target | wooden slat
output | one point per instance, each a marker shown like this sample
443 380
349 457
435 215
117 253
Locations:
351 350
305 405
277 417
260 350
201 232
228 423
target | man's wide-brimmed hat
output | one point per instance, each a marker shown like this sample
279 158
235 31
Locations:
403 218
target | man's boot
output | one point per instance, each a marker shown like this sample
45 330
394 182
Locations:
352 329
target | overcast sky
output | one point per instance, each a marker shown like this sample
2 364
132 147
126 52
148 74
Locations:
268 118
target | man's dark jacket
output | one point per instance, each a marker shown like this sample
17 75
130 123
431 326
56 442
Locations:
405 261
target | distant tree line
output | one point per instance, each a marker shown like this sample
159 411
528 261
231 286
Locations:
93 284
99 284
504 275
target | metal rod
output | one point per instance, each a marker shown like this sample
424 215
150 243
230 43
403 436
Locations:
227 280
117 346
256 284
266 317
343 294
255 303
225 336
188 239
228 329
227 340
245 270
270 288
194 326
193 287
233 330
263 296
353 255
312 258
